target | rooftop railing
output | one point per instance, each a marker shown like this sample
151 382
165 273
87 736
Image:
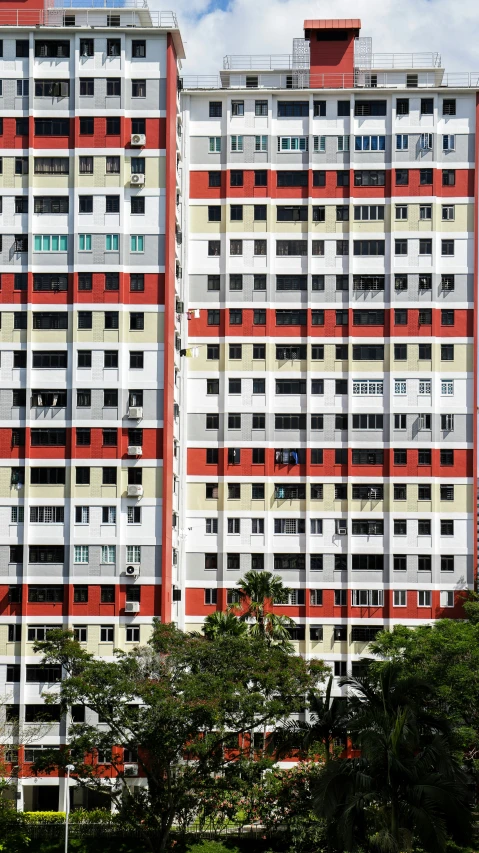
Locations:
280 61
285 61
359 80
88 16
401 60
96 4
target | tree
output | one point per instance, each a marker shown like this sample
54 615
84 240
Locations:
183 704
327 723
405 787
258 592
446 654
223 622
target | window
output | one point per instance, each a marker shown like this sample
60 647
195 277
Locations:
424 352
84 243
447 352
236 143
293 109
402 106
402 177
292 143
447 528
215 109
108 553
447 248
87 87
369 108
113 125
448 177
81 554
211 595
367 597
215 148
424 386
446 493
369 143
369 178
447 387
107 634
424 598
138 89
261 143
446 457
447 283
427 106
237 108
236 178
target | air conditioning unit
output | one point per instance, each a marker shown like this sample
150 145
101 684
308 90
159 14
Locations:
180 306
138 139
133 571
137 180
135 412
131 769
135 491
135 450
132 606
342 529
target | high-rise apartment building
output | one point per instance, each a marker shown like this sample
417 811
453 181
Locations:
90 169
316 216
332 273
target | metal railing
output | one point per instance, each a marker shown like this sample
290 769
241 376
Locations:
138 16
283 62
359 80
96 4
402 60
251 62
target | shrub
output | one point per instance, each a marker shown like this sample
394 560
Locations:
44 817
207 846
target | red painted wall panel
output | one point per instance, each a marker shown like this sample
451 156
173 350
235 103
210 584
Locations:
197 466
462 327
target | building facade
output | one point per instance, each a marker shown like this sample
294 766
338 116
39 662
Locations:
237 333
332 273
90 133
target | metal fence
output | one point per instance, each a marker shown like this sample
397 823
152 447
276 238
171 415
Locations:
357 80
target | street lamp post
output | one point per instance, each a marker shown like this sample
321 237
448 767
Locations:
69 769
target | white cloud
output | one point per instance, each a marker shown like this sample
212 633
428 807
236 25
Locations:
450 27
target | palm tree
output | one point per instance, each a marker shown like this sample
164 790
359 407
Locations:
223 622
328 722
406 787
258 591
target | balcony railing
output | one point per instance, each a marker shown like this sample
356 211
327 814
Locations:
88 15
358 80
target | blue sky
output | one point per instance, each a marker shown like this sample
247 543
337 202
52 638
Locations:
212 28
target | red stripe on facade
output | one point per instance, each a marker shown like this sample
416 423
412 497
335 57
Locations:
463 324
195 606
197 466
200 189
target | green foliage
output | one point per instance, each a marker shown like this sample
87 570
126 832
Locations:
180 697
76 816
446 655
44 817
406 785
258 591
14 836
207 846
